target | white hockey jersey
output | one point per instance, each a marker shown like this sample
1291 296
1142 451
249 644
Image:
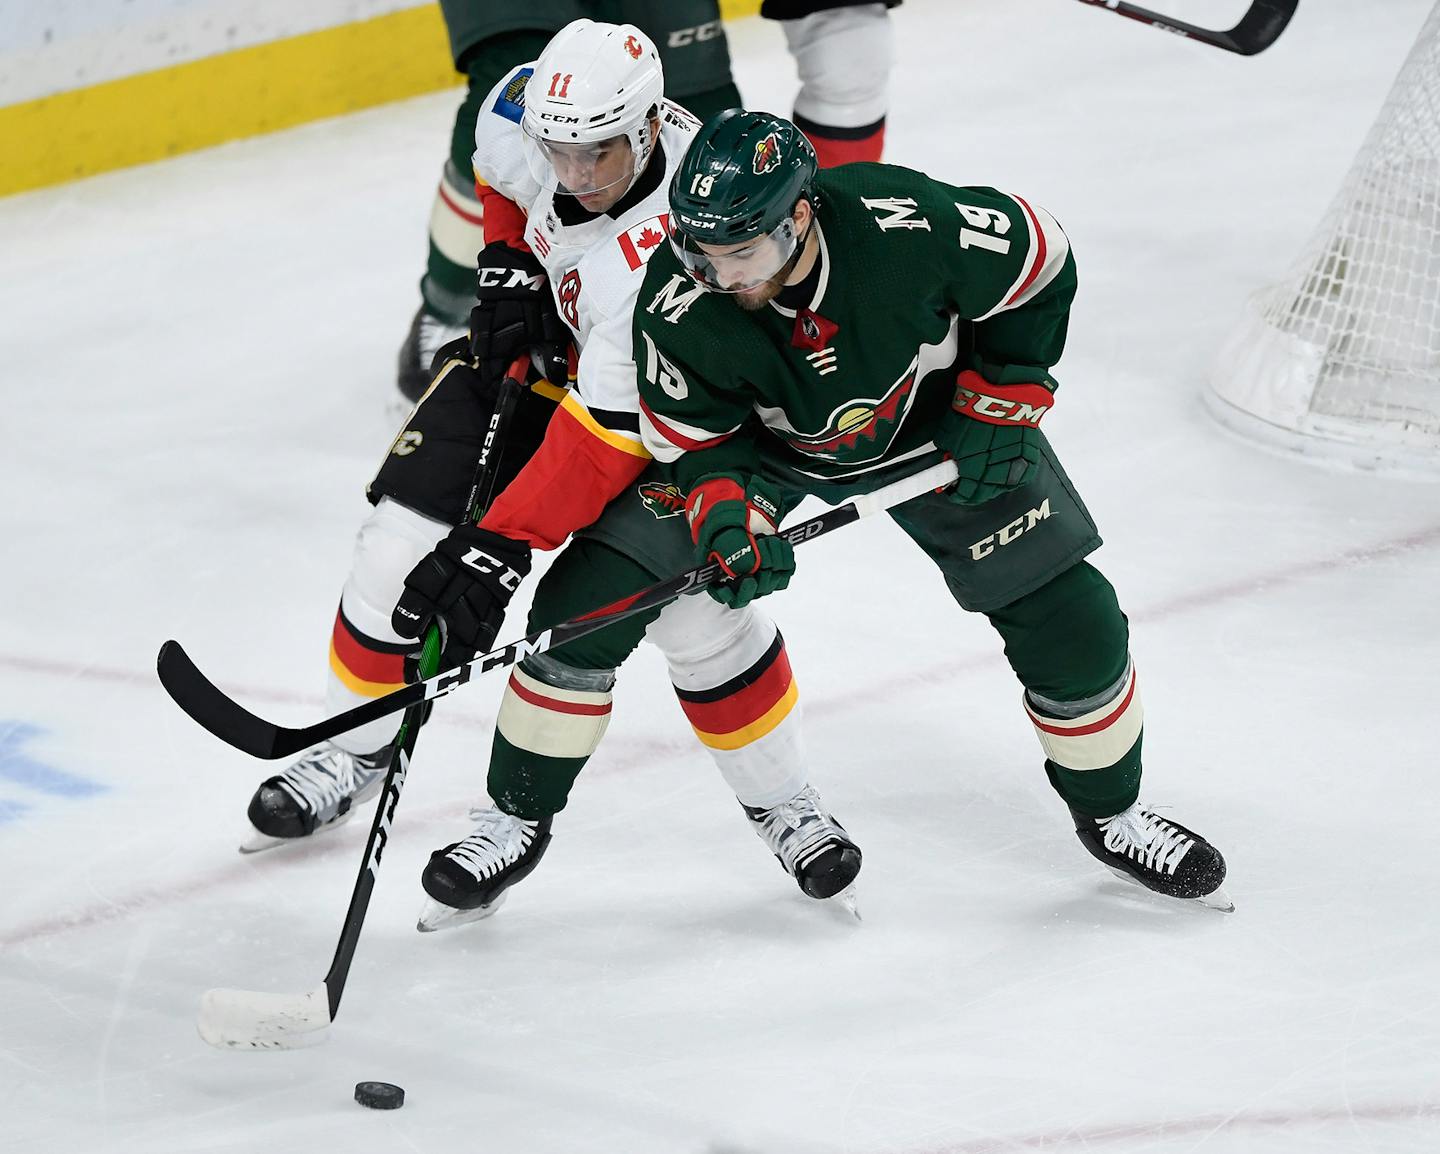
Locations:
595 267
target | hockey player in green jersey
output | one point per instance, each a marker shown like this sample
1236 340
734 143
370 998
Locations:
823 332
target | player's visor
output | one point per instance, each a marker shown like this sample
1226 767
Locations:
580 169
737 268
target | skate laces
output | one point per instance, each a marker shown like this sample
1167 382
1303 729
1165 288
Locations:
433 333
798 829
325 775
497 841
1145 836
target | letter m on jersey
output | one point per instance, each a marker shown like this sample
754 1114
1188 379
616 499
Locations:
673 304
898 212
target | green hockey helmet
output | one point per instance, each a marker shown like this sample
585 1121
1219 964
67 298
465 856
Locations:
733 197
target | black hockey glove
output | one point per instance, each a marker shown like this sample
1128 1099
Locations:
734 524
465 583
992 432
516 314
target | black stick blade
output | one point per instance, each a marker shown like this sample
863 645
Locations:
193 692
1261 25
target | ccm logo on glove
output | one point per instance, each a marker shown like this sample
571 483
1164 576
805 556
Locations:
483 562
1001 404
497 278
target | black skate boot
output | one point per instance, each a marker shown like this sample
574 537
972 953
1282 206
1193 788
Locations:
1138 845
316 792
812 846
468 879
427 336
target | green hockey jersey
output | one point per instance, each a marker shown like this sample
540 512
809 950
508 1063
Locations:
918 280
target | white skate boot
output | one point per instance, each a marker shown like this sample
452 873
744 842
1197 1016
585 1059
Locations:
811 845
315 793
428 335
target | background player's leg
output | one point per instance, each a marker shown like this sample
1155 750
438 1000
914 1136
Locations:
693 49
457 233
843 55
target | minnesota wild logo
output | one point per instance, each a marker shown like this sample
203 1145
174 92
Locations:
662 500
767 154
860 429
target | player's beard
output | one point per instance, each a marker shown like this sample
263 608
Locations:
752 300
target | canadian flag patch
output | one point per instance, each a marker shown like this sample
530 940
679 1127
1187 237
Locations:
640 241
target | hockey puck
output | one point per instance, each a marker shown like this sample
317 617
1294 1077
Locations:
379 1095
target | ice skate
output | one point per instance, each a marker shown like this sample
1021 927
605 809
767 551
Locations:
467 880
315 793
427 335
1140 846
811 845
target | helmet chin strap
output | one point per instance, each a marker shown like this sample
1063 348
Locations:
795 257
642 145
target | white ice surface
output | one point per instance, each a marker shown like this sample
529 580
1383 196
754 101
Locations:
195 359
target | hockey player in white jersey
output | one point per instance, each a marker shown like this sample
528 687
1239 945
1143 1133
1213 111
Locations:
841 49
573 158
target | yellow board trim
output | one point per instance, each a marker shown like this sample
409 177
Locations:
253 90
264 88
756 729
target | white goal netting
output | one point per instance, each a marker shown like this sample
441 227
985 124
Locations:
1342 358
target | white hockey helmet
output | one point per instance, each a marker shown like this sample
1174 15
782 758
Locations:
593 84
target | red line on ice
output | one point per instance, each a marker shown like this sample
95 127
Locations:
646 751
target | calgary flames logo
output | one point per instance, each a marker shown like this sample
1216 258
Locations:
632 46
569 298
767 155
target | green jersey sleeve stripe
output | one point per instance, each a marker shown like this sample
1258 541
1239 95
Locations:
1048 248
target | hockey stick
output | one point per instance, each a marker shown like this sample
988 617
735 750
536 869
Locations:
233 723
252 1020
1259 28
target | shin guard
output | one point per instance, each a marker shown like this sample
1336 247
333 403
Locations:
732 676
366 656
551 720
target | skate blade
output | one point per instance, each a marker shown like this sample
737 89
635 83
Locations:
1217 899
257 842
436 916
847 900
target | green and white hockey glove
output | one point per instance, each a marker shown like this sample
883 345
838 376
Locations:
733 522
992 431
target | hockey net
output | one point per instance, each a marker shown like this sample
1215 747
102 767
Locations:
1342 358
